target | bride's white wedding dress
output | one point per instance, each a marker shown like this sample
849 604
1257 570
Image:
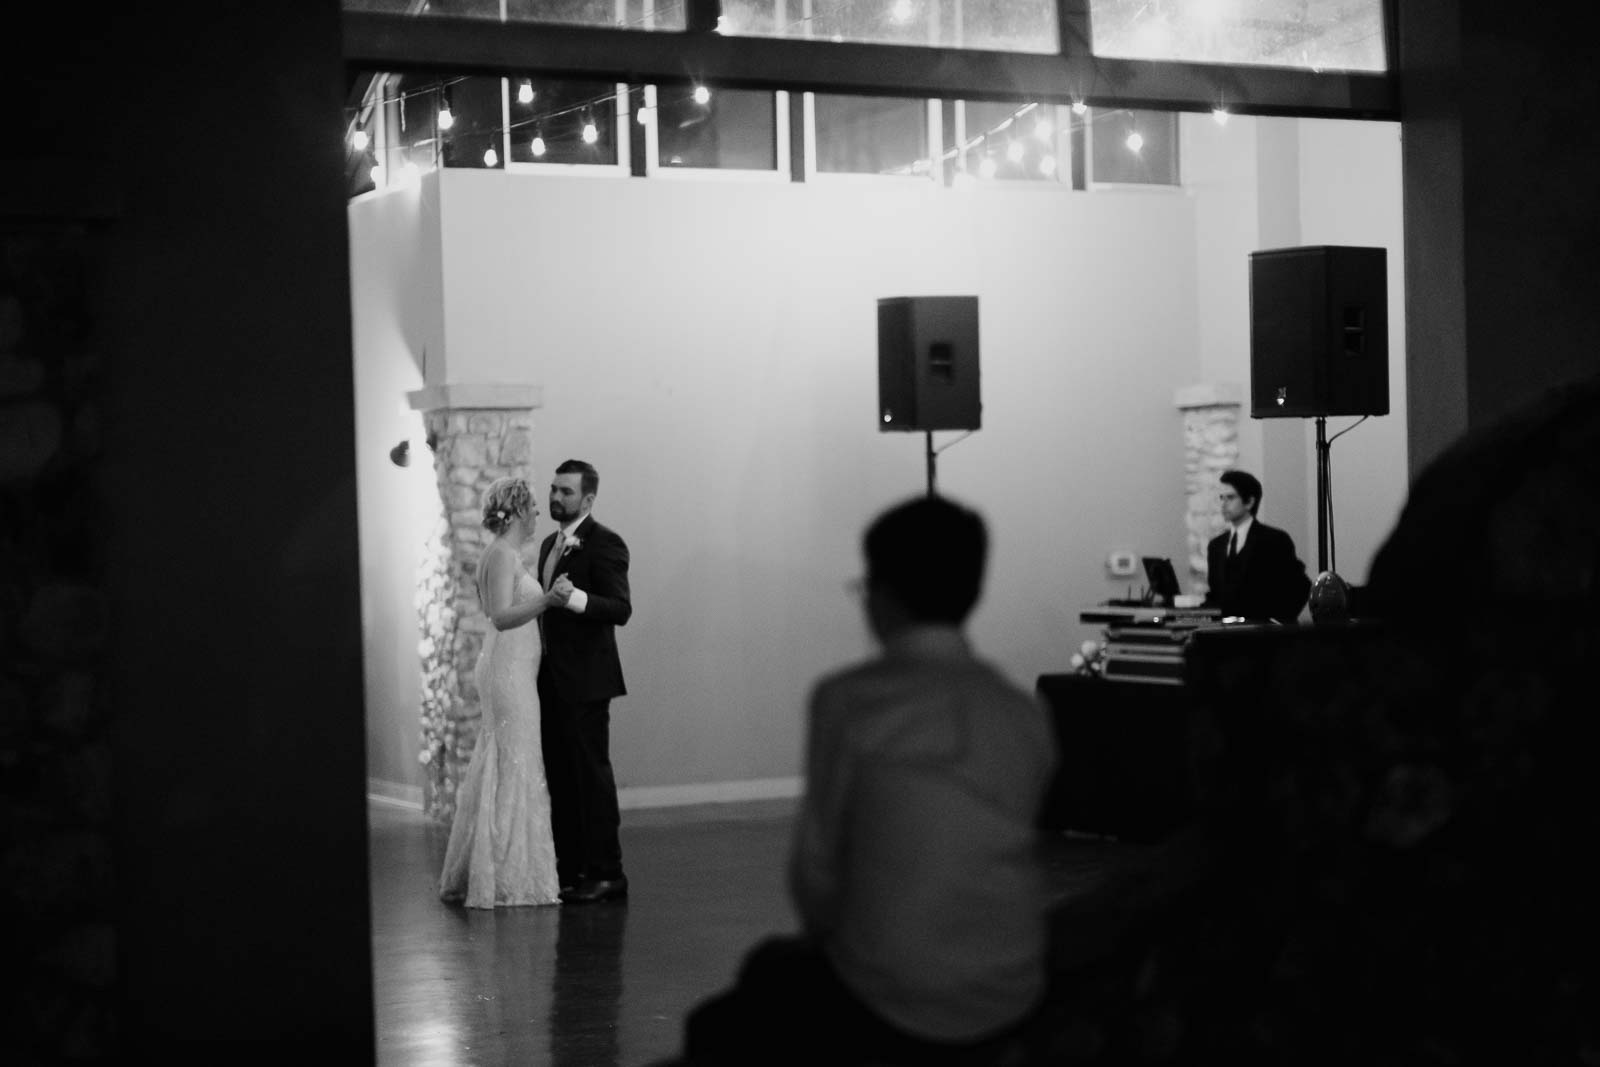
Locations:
501 852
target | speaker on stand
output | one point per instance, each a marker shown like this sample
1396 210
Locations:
928 368
1319 346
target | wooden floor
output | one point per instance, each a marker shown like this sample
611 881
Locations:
606 984
593 986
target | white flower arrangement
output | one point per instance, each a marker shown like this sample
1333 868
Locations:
1090 658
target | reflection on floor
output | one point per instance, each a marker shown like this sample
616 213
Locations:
591 986
610 984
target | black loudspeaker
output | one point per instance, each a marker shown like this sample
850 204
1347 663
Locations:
1319 332
928 363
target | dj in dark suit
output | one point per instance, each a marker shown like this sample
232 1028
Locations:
579 674
1253 570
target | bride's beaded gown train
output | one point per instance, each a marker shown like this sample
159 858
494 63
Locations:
501 852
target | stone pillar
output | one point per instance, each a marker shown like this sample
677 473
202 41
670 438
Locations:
1211 446
477 433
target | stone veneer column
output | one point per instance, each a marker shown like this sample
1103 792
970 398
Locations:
477 433
1211 446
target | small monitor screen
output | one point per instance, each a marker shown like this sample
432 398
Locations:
1163 579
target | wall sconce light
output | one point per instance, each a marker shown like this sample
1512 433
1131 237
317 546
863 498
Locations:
400 454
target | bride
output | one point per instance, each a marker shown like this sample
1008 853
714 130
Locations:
500 851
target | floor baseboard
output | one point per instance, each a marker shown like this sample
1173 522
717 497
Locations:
671 796
397 794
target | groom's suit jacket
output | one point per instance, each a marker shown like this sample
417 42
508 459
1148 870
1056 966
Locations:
580 661
1266 581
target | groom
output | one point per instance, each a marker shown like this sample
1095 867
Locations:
585 566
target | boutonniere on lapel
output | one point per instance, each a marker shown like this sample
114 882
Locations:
572 545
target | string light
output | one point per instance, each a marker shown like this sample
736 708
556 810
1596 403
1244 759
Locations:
1221 115
1043 128
491 158
902 11
377 175
359 140
410 172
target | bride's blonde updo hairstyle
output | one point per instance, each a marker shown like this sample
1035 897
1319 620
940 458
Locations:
506 499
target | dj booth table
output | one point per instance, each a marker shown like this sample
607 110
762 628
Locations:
1123 752
1134 757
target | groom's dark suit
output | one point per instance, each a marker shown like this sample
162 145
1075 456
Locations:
578 675
1264 581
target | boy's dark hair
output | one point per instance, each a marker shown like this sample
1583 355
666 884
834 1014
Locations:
928 554
590 482
1246 485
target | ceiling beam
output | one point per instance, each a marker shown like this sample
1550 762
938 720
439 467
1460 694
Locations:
382 42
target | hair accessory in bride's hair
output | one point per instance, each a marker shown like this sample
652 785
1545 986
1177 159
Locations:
504 500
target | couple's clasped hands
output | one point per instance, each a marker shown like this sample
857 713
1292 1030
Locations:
560 591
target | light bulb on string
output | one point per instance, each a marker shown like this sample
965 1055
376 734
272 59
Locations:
359 140
1220 114
446 119
902 10
1079 107
1015 151
525 93
702 95
1043 129
1047 166
410 172
537 146
987 168
491 158
377 173
1135 141
591 132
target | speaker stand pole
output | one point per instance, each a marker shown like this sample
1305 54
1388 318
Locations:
931 462
1324 504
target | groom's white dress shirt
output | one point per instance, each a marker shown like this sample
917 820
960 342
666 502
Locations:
579 599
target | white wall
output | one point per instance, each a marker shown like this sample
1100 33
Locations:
711 347
1350 195
397 310
1277 183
